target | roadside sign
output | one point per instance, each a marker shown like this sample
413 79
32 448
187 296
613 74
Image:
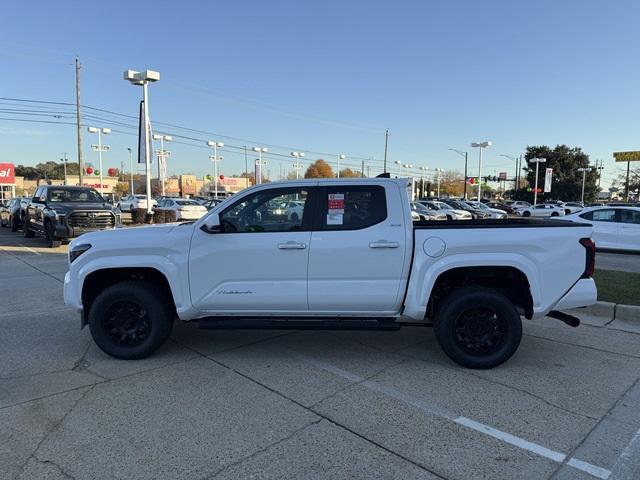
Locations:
96 148
502 176
627 156
547 180
7 174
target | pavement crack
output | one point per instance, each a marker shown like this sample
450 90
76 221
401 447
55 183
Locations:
261 450
32 266
627 355
56 466
53 428
538 397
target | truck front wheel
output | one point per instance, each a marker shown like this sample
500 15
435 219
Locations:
478 327
130 320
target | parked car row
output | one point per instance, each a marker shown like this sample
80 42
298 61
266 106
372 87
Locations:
615 228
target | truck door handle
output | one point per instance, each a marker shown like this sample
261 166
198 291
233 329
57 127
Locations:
292 246
383 244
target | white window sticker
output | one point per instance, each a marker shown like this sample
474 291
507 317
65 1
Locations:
335 219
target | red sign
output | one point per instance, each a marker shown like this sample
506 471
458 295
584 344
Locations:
7 173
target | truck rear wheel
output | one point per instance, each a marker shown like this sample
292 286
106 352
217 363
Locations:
130 320
478 327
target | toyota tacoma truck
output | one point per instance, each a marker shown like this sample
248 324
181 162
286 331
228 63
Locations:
352 259
62 212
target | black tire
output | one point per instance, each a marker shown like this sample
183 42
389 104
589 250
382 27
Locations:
478 327
130 320
26 231
526 214
14 224
294 217
555 214
50 236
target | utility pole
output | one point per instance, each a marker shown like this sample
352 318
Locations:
584 177
80 161
362 169
246 166
131 162
627 184
537 161
386 143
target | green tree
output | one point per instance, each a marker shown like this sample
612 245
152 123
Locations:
634 183
319 169
567 180
121 189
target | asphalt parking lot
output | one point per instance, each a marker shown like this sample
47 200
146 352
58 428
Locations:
302 404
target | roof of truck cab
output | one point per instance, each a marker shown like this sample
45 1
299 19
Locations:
402 182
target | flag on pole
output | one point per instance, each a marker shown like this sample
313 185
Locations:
144 138
547 180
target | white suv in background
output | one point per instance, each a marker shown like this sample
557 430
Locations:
543 210
130 202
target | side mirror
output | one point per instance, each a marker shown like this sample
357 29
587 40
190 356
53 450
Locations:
212 224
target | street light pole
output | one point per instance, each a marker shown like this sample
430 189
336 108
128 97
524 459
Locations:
162 159
438 172
100 148
481 146
537 161
143 79
296 165
215 159
64 165
466 157
259 163
131 162
340 157
584 177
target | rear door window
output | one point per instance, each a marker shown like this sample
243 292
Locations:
351 207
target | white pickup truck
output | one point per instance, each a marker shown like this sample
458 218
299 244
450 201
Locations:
352 259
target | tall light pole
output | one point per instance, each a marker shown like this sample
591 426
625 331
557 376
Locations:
537 161
162 158
100 148
215 159
296 165
466 157
131 162
515 159
584 171
143 79
438 172
64 161
423 169
340 157
259 163
481 146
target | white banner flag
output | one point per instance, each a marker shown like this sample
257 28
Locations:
547 180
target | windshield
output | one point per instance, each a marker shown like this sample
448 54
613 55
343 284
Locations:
479 205
443 206
73 195
187 202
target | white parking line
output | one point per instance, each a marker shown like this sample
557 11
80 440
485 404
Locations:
28 248
628 465
545 452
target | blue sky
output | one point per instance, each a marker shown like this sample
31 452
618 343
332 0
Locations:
331 76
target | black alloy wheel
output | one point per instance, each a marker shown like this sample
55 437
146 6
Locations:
479 330
126 323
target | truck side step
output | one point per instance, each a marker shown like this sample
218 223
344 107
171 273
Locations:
226 323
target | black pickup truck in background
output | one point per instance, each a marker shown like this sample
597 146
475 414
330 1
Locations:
63 212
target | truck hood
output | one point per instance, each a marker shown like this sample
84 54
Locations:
70 206
135 238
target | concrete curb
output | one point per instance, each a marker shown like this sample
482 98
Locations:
628 313
612 311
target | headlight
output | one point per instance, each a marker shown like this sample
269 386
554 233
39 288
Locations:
77 250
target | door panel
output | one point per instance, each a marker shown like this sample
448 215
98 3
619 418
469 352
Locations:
355 266
258 263
629 229
605 227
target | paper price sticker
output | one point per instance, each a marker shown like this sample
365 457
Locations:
335 203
